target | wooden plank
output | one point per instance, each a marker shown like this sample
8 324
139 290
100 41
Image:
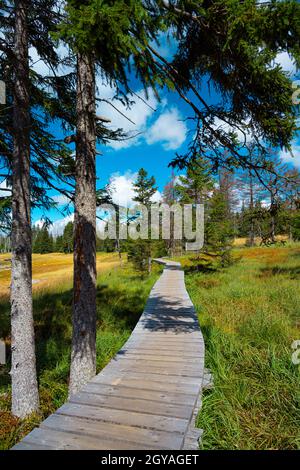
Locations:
23 445
126 365
128 404
150 376
130 367
129 418
187 389
60 440
146 356
164 352
176 398
153 438
153 338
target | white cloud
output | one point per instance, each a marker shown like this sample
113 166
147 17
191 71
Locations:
244 136
58 226
3 185
61 200
168 129
122 188
295 158
123 191
139 113
39 66
286 63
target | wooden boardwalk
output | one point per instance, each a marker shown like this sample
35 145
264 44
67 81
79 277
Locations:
147 397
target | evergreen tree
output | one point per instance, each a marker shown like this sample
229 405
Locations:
194 187
295 225
59 246
68 238
140 251
28 152
219 228
235 44
25 398
144 187
106 34
170 197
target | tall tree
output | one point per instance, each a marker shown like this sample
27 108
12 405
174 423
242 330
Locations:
194 187
30 155
83 359
68 238
25 398
140 251
106 34
144 187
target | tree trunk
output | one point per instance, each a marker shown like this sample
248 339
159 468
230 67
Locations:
25 399
83 358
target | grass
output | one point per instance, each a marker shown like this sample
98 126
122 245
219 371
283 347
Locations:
121 296
249 314
51 268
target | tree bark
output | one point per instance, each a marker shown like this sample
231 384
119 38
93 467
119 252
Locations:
25 399
83 357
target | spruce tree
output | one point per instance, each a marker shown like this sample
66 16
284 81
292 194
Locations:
144 187
29 154
25 398
140 251
107 35
68 238
232 46
196 184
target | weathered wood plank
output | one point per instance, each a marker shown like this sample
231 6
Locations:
150 385
175 398
129 418
120 403
60 440
154 438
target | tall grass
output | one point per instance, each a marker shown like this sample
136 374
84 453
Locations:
121 296
249 315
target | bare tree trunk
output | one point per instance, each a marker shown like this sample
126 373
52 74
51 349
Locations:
83 358
25 399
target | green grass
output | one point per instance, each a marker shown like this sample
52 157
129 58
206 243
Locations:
249 314
121 296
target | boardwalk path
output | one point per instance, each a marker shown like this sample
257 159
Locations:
148 395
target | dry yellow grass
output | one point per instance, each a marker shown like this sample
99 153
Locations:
51 269
242 241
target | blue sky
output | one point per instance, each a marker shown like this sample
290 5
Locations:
163 132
